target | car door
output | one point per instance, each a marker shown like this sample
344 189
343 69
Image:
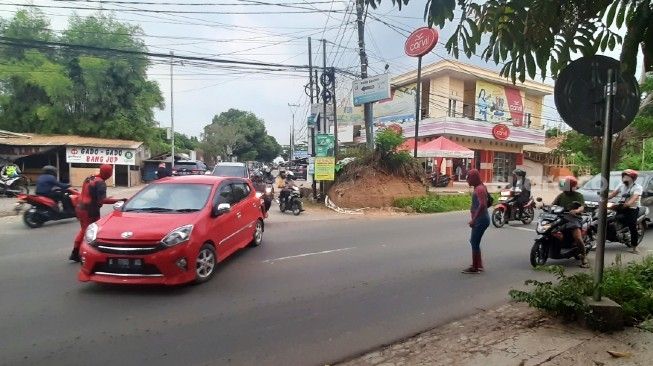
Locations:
243 209
224 227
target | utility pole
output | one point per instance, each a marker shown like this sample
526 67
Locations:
292 130
325 90
312 128
367 107
172 111
335 118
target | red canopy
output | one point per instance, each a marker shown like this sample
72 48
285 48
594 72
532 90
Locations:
409 145
443 148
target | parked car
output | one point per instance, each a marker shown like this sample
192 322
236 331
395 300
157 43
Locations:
189 167
227 169
174 231
300 171
590 190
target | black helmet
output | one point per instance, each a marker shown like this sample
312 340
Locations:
518 172
49 169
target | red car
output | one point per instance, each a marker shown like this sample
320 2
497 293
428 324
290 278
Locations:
174 231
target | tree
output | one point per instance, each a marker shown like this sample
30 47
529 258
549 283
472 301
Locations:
553 132
70 90
240 134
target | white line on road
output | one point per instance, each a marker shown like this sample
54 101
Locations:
522 228
307 255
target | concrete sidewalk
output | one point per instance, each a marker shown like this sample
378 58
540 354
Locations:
514 334
7 205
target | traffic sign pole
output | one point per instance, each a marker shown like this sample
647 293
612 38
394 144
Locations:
605 185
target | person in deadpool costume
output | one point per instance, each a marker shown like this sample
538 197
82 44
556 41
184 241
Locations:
93 196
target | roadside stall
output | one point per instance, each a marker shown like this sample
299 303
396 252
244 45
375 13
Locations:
444 154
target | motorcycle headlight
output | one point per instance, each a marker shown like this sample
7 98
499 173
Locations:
91 233
268 190
178 236
259 194
505 193
542 228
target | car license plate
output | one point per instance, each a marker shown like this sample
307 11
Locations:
125 263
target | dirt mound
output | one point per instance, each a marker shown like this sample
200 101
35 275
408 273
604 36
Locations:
374 188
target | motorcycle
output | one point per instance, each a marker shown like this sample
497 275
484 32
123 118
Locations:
292 202
44 209
617 231
554 242
14 186
266 198
505 210
439 180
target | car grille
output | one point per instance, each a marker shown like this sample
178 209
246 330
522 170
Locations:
145 270
128 249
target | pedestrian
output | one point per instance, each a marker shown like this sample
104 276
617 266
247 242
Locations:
459 172
480 220
92 197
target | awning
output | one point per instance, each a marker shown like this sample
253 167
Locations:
442 147
409 145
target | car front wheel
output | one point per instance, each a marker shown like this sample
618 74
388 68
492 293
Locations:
205 263
258 234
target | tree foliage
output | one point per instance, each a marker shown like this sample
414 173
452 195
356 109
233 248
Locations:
240 134
74 91
530 35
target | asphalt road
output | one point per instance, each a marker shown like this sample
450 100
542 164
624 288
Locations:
320 288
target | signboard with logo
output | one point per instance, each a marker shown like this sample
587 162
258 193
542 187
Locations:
100 155
324 145
498 103
301 151
500 132
325 168
421 42
372 89
311 165
311 120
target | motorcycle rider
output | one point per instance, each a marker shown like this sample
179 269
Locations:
574 203
10 171
280 181
162 171
46 184
287 186
630 195
261 186
93 196
522 186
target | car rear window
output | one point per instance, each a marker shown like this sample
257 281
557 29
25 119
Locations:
615 180
230 171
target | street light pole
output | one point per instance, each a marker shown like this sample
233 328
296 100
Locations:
292 130
172 111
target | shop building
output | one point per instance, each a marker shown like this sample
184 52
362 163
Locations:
75 157
473 107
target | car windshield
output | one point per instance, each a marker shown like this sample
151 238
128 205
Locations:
615 180
169 197
230 171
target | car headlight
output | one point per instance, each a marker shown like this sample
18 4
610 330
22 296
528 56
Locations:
542 228
178 236
91 233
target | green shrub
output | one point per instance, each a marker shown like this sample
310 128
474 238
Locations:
631 286
432 203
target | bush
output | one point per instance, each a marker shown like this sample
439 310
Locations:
631 286
432 203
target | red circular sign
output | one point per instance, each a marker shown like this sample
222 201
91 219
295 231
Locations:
500 132
421 42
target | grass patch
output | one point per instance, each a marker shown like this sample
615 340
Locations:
631 286
432 203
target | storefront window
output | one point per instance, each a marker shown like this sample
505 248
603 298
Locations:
504 164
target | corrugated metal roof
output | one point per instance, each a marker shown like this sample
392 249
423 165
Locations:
30 139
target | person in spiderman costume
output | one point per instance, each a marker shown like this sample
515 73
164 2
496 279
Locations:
93 196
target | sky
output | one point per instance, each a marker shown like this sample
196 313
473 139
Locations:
244 30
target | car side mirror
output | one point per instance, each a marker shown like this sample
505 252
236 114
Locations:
220 209
118 205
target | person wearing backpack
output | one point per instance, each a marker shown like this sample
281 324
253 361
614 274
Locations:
480 219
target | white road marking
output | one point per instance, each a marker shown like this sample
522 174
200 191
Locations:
307 255
521 228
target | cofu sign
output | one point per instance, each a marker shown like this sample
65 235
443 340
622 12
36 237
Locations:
421 42
500 132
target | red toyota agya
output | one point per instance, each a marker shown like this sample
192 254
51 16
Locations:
173 231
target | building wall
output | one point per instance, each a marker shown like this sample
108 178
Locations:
484 144
439 100
457 92
77 176
533 105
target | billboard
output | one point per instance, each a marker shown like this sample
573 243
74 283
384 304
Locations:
499 104
371 89
100 155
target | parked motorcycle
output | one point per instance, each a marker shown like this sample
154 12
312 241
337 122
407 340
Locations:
439 180
617 231
506 209
553 241
43 209
12 187
293 202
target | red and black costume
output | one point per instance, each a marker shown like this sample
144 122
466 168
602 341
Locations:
93 196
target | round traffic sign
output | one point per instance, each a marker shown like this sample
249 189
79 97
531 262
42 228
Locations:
580 95
421 42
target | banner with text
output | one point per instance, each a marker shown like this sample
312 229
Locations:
498 103
100 155
325 168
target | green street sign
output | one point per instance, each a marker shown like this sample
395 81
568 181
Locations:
311 120
324 145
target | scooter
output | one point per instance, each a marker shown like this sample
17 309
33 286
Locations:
292 202
266 198
617 231
506 209
14 186
553 242
43 209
